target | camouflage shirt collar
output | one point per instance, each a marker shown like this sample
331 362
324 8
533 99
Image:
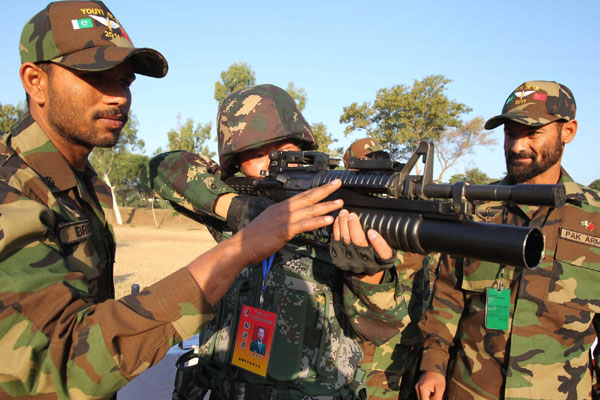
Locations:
573 190
33 145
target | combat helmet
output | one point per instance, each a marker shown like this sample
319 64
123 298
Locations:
255 116
361 148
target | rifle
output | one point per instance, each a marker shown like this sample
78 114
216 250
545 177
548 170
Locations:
410 211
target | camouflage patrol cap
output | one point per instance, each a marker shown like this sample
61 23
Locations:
361 147
255 116
536 103
85 35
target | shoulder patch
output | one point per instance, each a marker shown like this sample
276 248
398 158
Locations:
489 213
74 232
579 237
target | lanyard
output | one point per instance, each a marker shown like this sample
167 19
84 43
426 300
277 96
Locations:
266 267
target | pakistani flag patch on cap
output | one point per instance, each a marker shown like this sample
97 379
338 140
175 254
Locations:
82 23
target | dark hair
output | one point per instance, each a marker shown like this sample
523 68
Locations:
44 66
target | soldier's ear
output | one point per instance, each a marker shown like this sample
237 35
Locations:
35 82
569 129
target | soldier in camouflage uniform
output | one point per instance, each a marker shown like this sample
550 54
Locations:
315 354
361 149
392 366
539 348
62 335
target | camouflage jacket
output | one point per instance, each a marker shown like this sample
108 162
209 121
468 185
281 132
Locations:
544 353
61 333
379 314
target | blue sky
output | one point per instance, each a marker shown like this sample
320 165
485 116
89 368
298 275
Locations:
342 52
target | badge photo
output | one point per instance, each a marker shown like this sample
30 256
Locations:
254 339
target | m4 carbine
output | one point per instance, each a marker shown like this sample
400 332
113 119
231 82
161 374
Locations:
410 211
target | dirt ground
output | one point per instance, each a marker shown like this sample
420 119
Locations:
146 254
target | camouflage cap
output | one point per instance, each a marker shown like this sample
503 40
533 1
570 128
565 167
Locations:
85 35
536 103
360 148
255 116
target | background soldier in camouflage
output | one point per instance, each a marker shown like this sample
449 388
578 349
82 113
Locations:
62 335
544 353
361 149
314 353
393 366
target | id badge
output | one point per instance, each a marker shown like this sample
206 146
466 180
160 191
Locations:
497 308
254 339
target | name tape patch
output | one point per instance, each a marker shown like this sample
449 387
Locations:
74 232
579 237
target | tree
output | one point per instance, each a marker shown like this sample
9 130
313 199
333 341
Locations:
104 160
473 175
238 76
319 129
298 94
595 185
402 116
131 175
9 115
191 139
455 143
324 139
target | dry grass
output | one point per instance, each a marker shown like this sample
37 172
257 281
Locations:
146 254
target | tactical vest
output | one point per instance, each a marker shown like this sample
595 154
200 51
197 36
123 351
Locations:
313 350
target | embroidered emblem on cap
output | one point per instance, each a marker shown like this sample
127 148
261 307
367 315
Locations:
106 22
524 93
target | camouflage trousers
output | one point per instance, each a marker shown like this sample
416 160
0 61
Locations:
396 382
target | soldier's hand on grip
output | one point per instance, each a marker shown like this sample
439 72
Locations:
350 250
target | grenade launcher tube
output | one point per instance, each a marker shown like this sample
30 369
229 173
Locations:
502 244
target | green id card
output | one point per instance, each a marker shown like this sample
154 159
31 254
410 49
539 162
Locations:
497 308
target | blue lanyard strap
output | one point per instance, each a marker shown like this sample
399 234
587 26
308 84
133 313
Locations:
266 267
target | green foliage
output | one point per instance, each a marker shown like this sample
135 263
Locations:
474 176
9 115
191 139
130 178
325 140
298 94
238 76
595 185
402 116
